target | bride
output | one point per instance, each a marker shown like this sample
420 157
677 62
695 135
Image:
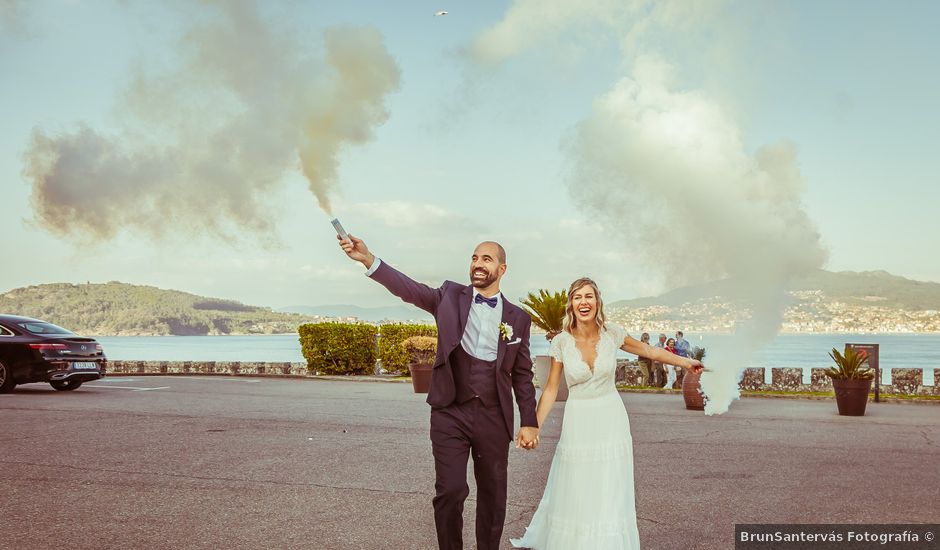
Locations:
589 499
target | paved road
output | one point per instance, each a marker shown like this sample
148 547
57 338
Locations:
189 462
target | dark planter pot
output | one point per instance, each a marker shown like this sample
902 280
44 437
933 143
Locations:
543 366
851 395
421 377
691 391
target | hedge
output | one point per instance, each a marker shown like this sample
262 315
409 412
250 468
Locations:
393 357
338 348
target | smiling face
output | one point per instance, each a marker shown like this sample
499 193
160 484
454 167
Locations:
487 266
585 306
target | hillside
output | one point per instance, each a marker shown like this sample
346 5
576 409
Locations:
119 309
856 288
869 301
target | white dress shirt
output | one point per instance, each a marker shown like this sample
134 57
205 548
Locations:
375 265
481 335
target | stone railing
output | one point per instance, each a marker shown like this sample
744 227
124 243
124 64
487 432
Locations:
232 368
903 381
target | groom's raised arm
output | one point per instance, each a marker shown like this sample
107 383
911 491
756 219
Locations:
396 282
406 288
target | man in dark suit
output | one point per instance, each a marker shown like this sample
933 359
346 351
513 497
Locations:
482 358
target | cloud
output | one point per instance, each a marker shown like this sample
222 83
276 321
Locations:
535 25
409 215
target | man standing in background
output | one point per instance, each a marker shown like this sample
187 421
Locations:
659 372
683 348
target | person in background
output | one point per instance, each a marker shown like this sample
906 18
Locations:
670 370
659 373
645 363
683 347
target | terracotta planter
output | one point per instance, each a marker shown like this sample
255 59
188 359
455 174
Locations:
691 391
543 366
851 395
421 377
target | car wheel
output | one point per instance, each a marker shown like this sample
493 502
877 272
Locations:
6 379
65 385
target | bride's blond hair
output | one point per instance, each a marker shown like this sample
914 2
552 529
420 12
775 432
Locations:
571 322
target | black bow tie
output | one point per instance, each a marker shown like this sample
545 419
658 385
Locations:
479 299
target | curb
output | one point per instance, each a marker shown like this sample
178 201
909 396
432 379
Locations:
327 377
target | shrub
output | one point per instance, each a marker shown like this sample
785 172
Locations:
421 349
394 357
338 348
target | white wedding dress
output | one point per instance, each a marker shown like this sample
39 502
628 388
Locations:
589 500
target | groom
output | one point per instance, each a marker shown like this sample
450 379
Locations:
482 356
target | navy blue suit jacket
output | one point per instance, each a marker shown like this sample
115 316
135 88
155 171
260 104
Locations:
450 306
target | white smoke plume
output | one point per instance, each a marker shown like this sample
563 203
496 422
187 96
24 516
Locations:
667 169
10 13
203 143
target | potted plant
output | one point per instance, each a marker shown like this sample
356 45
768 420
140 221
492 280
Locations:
691 385
851 380
547 310
422 350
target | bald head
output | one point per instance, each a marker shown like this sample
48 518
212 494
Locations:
495 248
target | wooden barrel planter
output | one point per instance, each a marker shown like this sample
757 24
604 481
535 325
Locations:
691 391
421 377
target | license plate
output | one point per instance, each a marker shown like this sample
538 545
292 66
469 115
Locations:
85 366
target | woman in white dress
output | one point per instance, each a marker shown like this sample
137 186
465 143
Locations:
589 500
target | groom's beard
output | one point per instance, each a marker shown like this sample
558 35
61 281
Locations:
485 281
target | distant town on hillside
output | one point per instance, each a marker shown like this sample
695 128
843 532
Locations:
873 301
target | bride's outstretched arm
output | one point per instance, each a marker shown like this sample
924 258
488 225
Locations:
549 391
634 346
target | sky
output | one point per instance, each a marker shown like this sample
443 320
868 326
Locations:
205 146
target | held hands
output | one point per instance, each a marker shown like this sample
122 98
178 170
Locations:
357 250
527 438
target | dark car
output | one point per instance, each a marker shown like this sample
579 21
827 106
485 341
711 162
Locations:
36 351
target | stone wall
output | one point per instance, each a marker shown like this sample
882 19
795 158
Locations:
231 368
903 381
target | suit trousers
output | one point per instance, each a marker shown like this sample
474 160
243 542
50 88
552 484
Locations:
459 431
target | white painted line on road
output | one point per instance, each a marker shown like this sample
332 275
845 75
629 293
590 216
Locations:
109 380
214 379
127 388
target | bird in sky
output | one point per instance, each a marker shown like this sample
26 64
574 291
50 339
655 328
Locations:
440 13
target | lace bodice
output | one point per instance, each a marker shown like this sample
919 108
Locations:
582 382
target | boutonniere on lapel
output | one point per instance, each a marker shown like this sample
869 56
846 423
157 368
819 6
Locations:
505 331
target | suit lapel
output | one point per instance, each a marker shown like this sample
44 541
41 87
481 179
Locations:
500 341
466 298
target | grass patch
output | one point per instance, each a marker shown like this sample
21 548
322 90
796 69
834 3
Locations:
626 387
